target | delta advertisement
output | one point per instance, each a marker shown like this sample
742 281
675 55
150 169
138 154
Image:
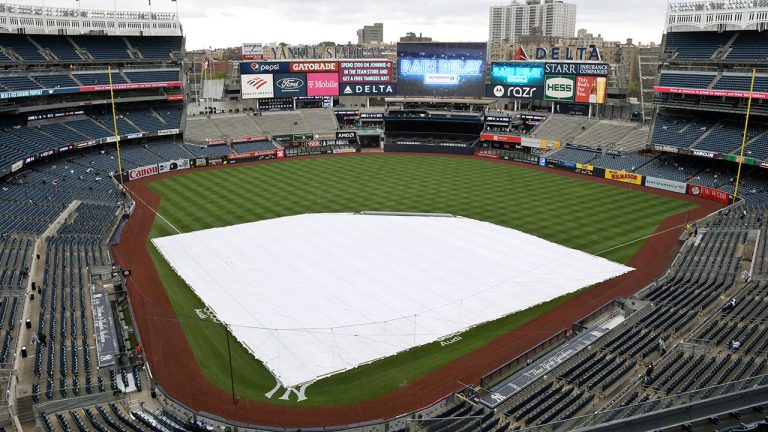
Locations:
441 69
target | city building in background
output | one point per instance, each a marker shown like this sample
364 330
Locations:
549 17
371 34
411 37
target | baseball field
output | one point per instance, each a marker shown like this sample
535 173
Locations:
590 216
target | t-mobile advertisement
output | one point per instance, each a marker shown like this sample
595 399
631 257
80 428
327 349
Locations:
441 69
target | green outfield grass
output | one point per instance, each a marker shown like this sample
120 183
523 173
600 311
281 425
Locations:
580 214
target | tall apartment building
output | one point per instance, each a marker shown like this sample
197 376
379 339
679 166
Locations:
371 34
547 17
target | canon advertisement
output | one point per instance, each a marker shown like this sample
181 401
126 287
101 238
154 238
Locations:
441 69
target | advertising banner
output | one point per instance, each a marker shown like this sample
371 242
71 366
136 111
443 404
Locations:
254 68
709 193
17 166
517 74
249 139
559 87
441 69
315 67
131 86
709 92
180 164
365 72
290 85
624 177
262 154
142 172
590 89
252 51
322 84
346 135
259 86
664 184
665 148
367 89
549 144
584 69
514 92
573 109
501 138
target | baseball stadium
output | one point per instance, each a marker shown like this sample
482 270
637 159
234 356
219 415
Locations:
413 237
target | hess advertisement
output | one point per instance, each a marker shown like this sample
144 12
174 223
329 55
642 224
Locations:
559 88
441 69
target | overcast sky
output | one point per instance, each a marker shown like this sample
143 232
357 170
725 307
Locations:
223 23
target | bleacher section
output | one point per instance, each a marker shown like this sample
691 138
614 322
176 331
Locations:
18 141
61 47
562 128
679 131
202 128
697 81
156 47
22 47
749 46
741 83
604 134
153 76
103 48
692 46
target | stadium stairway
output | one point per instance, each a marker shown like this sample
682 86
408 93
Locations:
24 409
705 135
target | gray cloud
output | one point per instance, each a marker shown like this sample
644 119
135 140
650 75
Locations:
221 23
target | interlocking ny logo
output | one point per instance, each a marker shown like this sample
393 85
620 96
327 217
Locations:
257 83
299 391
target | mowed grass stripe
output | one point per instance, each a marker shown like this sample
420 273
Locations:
576 213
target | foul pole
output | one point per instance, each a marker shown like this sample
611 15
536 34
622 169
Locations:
744 138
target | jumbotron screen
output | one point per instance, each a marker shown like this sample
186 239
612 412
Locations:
441 69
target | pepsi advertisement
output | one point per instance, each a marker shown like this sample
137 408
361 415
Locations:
441 69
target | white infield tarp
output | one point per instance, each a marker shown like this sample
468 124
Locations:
313 295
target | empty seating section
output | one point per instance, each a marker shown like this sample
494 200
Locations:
99 78
254 146
727 136
575 155
604 134
697 81
156 47
750 45
169 150
55 81
240 126
678 131
18 141
199 129
61 47
153 76
16 83
628 163
22 46
209 151
691 46
562 128
669 167
634 141
742 83
103 47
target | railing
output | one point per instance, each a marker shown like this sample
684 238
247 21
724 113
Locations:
680 400
507 368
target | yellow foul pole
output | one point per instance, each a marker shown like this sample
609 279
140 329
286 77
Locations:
744 138
114 123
